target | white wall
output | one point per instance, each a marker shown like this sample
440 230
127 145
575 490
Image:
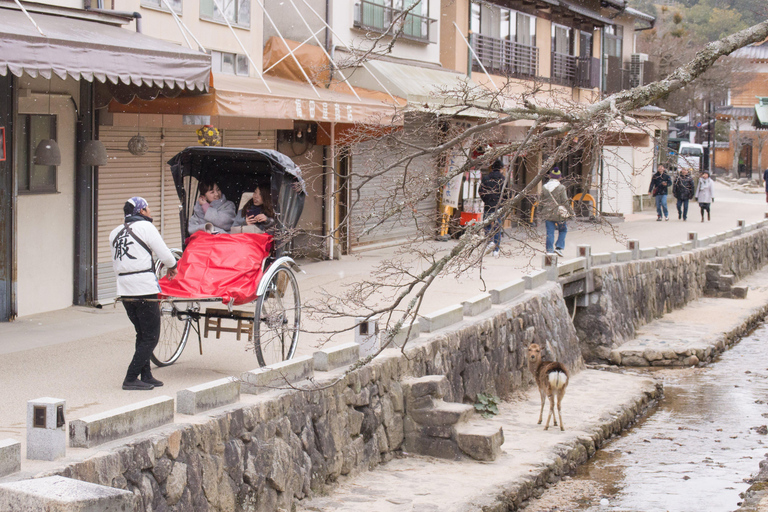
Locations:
618 164
45 222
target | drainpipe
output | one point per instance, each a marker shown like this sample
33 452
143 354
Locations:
137 16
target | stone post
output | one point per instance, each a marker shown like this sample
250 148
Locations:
742 225
585 251
367 335
694 237
549 263
46 432
634 246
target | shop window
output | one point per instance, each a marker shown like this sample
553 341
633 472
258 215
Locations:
230 63
32 178
237 12
160 5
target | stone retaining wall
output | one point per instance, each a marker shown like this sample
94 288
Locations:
630 294
264 456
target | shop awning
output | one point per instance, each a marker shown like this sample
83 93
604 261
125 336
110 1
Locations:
91 50
238 96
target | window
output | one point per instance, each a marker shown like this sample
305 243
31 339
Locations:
561 40
159 4
237 12
474 23
230 63
379 15
32 178
526 29
613 40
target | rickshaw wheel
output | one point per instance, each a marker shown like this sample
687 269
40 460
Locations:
175 325
277 320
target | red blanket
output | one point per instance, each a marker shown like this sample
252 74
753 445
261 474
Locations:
221 265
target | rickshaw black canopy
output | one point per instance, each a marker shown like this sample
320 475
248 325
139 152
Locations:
236 171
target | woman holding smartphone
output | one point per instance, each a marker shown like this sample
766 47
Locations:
257 212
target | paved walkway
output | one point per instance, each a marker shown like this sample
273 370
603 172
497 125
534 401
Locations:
80 354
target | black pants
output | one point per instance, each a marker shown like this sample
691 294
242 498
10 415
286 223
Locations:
704 207
145 317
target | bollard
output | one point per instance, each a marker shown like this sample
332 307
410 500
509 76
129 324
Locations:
585 251
694 237
742 226
367 335
634 248
549 263
46 432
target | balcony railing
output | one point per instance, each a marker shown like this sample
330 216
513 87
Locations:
502 57
378 18
564 69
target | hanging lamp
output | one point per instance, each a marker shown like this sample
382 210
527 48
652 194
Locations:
94 153
47 151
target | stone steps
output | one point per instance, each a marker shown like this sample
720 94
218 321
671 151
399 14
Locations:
445 429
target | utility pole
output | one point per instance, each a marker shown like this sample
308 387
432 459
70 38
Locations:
710 128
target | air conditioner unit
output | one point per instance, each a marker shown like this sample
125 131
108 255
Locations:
636 66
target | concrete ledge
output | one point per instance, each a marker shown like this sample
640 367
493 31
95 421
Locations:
703 242
277 375
121 422
441 318
571 266
602 258
621 256
331 358
675 248
688 246
647 253
412 330
207 396
535 279
477 304
10 456
59 494
719 237
662 251
508 291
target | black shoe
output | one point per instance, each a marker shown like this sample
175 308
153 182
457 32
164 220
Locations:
153 381
679 216
137 385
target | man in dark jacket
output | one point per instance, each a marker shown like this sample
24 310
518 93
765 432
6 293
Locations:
683 192
658 189
491 193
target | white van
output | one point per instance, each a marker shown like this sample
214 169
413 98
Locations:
690 156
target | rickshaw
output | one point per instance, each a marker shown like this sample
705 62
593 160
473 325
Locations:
251 270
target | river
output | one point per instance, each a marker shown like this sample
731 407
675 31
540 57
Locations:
693 453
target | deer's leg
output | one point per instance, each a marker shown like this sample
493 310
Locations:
543 394
560 394
551 410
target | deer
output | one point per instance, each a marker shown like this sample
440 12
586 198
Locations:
552 379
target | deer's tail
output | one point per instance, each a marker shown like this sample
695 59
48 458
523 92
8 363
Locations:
557 379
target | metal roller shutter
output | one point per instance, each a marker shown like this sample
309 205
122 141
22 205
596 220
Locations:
376 196
250 139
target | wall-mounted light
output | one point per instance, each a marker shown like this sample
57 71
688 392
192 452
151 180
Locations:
94 153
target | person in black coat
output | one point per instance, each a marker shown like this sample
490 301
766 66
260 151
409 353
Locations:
658 189
683 192
491 193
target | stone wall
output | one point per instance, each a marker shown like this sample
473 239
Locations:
631 294
263 456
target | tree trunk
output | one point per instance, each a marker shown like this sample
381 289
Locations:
736 137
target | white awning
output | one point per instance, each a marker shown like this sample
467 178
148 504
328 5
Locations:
92 50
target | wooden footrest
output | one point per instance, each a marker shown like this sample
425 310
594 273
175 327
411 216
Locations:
214 317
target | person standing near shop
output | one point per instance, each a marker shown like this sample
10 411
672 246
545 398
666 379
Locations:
660 182
555 209
705 194
133 244
490 192
683 192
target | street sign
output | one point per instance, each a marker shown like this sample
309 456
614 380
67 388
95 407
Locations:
698 125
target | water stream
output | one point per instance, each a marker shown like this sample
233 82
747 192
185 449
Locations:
693 453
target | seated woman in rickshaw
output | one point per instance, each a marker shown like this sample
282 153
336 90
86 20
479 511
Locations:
212 212
257 215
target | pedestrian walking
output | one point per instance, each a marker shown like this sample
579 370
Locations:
683 192
705 194
133 244
556 209
765 180
491 193
660 183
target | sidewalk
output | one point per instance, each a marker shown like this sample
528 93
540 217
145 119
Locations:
80 354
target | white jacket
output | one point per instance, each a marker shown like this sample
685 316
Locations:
132 263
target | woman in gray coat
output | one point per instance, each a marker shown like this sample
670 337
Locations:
213 212
705 194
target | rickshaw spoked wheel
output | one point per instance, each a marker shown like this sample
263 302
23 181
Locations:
175 325
277 319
